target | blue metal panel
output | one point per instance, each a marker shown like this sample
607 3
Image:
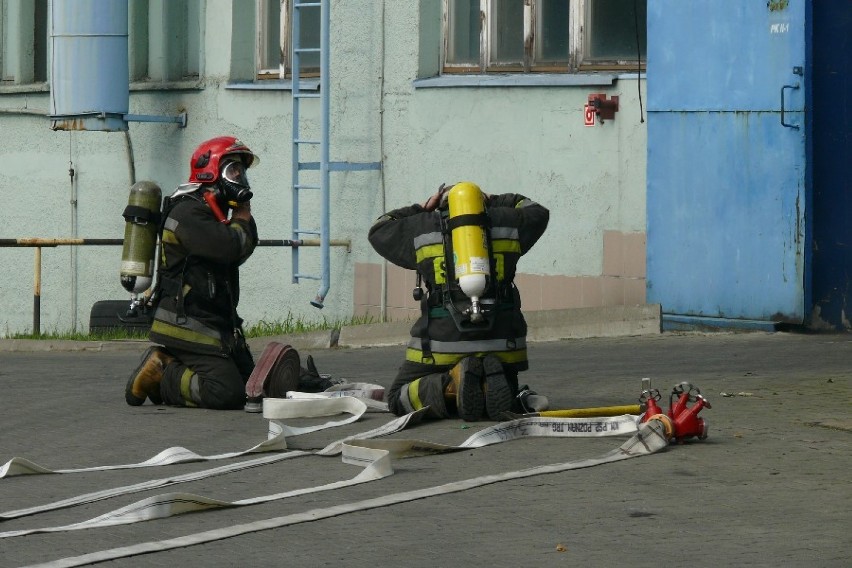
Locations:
89 67
727 182
722 54
725 237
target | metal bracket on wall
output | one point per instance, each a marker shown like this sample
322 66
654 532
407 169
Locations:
180 119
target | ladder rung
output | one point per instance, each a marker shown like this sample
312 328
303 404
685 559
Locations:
300 141
304 186
307 5
307 50
306 232
309 276
307 96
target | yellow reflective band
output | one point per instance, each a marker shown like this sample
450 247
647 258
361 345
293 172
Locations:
185 388
506 245
416 356
438 269
414 394
169 237
184 334
500 263
429 251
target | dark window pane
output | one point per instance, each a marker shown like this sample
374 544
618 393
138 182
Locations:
463 44
612 29
309 36
552 30
507 31
40 42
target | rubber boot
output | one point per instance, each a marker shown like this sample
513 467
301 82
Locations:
465 388
145 380
498 394
427 391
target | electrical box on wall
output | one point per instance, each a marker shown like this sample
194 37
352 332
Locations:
601 107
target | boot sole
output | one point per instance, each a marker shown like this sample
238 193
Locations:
470 400
498 395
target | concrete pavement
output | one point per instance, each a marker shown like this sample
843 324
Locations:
769 487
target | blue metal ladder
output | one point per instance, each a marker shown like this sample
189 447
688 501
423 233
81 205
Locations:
324 166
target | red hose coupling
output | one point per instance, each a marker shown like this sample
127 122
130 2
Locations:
686 420
681 421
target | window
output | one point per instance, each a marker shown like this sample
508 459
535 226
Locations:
23 42
276 21
164 40
562 36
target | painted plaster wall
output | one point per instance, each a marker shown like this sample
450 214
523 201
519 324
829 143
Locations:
525 139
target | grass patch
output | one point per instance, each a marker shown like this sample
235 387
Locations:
289 326
292 325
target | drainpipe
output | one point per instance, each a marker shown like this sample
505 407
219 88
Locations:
74 229
383 307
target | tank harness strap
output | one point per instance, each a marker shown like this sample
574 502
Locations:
479 219
140 215
423 327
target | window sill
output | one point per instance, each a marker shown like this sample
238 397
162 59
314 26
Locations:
518 80
12 89
311 84
189 85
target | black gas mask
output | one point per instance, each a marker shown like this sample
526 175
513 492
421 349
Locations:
233 182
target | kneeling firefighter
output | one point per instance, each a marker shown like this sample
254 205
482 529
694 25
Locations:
469 344
202 359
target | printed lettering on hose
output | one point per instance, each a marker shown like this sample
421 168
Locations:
582 427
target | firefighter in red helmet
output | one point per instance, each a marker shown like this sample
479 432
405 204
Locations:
201 358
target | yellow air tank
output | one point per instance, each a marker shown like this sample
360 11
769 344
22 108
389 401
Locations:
470 245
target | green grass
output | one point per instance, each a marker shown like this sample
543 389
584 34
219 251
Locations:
293 325
290 325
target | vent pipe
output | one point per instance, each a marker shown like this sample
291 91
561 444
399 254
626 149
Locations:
90 77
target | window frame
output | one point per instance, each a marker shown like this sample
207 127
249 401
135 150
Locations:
578 45
165 40
24 45
264 71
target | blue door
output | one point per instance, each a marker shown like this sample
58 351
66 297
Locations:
727 175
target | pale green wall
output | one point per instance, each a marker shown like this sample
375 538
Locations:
526 139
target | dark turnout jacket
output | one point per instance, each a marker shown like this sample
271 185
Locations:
198 283
412 238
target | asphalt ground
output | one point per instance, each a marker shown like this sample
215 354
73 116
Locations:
770 486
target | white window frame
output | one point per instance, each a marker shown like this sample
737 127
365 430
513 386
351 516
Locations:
266 69
578 44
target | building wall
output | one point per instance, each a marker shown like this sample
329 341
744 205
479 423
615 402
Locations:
622 283
527 139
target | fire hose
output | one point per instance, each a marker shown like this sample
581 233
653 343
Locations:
652 432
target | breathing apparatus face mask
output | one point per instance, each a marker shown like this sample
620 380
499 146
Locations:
233 182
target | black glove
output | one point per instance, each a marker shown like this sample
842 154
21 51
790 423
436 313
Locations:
310 380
